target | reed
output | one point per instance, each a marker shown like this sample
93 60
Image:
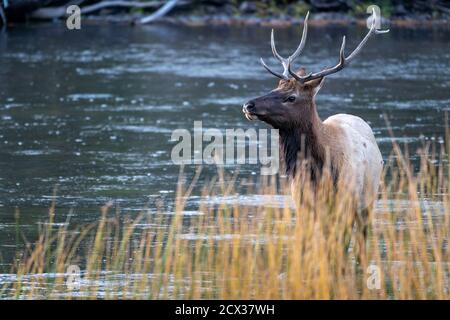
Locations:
267 250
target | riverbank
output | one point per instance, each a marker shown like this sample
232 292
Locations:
316 19
236 12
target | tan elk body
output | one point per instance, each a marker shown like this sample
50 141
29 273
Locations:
345 140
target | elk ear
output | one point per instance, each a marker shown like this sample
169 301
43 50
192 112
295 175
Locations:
301 72
315 85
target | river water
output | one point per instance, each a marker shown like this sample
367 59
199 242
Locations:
89 114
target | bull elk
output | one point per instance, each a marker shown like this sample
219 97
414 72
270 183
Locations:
347 140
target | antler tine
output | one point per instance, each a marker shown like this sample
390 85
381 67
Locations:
372 30
302 41
274 49
286 61
276 74
343 61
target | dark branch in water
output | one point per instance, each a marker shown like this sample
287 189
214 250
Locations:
3 20
53 12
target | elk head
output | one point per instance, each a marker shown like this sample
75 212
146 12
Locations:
292 103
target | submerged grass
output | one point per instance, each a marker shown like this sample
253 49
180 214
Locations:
259 251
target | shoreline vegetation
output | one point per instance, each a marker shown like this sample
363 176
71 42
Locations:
277 13
260 251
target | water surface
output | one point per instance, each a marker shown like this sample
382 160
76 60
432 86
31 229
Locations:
87 115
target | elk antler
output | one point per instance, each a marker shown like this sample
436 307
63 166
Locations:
343 61
287 61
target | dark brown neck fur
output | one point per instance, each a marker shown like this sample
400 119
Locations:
303 139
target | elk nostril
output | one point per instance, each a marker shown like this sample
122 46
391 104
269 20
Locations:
249 106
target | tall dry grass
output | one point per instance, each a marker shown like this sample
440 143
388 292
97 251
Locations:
260 251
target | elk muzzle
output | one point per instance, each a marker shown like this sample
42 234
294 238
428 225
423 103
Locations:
249 110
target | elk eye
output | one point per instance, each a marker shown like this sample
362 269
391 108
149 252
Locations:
291 99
